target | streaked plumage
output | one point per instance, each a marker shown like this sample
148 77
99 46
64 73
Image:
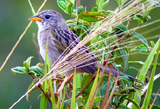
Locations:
52 25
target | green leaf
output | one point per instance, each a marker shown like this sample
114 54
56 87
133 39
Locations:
143 0
120 2
124 57
124 78
142 18
21 70
71 24
141 48
72 1
66 103
80 9
123 107
97 99
149 8
30 86
85 80
26 65
134 68
121 98
155 107
107 12
139 18
134 103
63 5
119 58
94 9
105 3
36 70
100 5
102 90
125 89
122 27
151 82
145 68
152 43
27 62
136 62
91 16
97 2
143 10
157 101
70 8
141 38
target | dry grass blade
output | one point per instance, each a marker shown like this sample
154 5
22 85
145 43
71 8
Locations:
20 38
79 56
62 65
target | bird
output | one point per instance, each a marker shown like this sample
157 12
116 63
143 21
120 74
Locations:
52 25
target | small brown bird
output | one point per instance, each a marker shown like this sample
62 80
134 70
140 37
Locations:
52 25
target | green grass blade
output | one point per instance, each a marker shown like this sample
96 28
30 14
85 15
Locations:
100 5
62 104
73 100
150 87
51 89
145 68
92 91
43 103
78 80
50 83
33 11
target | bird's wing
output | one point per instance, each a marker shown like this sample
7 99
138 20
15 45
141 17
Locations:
64 38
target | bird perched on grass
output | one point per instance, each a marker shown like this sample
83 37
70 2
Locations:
52 25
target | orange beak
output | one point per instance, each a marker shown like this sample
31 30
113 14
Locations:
35 18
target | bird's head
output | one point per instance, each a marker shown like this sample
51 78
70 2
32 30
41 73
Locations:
49 19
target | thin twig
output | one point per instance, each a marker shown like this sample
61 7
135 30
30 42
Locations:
106 93
110 97
20 38
86 86
45 94
14 49
98 85
11 52
154 98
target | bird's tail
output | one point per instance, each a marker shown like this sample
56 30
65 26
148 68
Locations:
107 70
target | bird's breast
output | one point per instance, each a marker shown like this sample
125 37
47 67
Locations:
53 52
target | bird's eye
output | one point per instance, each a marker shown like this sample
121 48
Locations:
47 16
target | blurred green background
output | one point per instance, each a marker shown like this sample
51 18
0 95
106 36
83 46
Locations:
14 16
